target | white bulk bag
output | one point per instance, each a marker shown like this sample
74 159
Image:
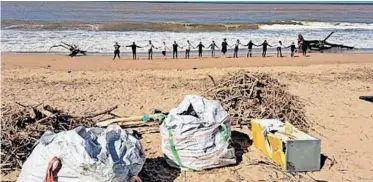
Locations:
87 154
196 134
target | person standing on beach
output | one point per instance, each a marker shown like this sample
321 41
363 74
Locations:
300 40
236 47
200 49
133 46
174 50
250 48
213 45
187 50
116 50
164 49
278 49
224 46
150 50
292 49
304 48
264 44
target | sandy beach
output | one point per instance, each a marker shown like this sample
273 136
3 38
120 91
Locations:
329 85
60 62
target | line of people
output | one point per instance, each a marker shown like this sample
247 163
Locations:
213 47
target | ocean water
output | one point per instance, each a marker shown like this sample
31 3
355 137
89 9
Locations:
95 26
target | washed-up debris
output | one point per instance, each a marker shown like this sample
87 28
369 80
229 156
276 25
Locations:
196 135
366 98
22 128
248 96
74 50
133 120
88 154
283 143
321 45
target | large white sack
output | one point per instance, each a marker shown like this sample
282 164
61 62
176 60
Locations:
87 154
196 134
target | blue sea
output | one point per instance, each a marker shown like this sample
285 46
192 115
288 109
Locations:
33 27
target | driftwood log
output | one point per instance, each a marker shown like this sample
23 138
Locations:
366 98
321 45
74 50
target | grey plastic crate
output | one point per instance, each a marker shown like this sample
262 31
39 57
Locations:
303 155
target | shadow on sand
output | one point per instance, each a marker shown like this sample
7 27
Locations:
241 143
323 159
157 170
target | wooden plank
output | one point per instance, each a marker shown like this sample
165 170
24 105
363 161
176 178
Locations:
127 119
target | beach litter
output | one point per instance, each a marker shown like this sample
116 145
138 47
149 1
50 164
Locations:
248 96
22 127
74 50
366 98
196 135
289 147
133 120
86 154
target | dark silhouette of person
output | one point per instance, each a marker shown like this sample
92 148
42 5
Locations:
292 49
250 48
265 45
116 50
213 46
200 49
236 47
174 50
150 50
133 46
224 47
304 48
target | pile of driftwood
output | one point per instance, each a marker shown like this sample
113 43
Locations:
248 96
23 127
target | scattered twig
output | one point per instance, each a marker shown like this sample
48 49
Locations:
212 79
22 128
107 111
114 115
20 104
333 162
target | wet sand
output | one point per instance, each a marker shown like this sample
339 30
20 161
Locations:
329 84
60 62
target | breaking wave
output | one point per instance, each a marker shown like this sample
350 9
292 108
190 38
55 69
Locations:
178 27
102 41
319 25
131 26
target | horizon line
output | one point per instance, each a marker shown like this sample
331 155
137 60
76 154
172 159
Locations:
256 2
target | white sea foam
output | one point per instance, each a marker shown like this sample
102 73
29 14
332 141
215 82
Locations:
102 41
319 25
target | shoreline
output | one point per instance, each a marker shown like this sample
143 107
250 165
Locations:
157 53
62 62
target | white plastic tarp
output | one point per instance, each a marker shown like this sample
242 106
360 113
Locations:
87 154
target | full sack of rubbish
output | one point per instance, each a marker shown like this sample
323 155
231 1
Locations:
85 154
196 135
